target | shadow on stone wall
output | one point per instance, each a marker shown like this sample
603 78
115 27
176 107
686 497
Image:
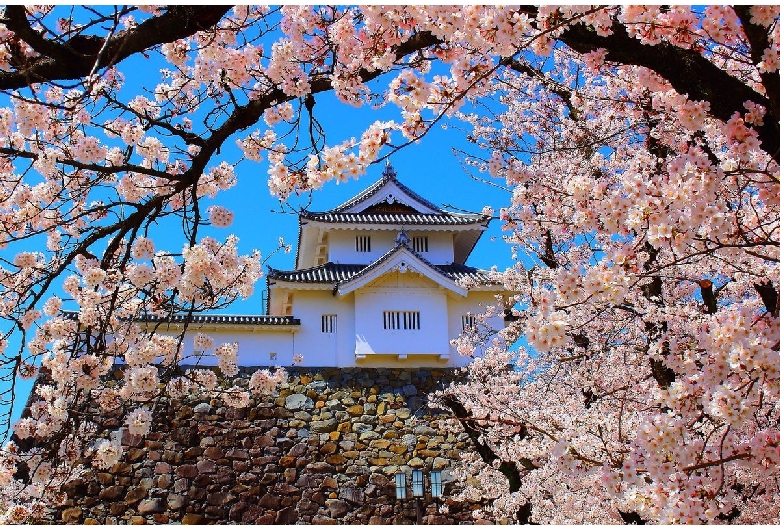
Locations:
324 449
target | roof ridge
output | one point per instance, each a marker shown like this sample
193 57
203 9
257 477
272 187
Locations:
388 175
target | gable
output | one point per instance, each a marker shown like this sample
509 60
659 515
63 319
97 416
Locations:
390 194
403 260
397 280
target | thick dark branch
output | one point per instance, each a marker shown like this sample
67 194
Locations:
686 70
549 253
16 20
708 297
508 469
768 295
758 36
631 517
653 291
81 55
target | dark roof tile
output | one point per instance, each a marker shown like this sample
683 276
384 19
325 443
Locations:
331 273
409 219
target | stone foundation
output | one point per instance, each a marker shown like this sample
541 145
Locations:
323 450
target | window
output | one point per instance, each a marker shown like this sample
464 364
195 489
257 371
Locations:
363 243
328 323
420 244
469 322
272 356
402 319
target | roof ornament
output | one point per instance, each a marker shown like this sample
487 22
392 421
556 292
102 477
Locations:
389 171
401 239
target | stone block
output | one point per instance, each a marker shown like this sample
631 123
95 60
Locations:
71 515
111 493
324 426
237 454
105 478
320 467
379 444
328 448
269 501
266 519
176 501
321 519
336 460
187 471
298 402
330 482
193 518
387 418
355 410
368 435
206 466
215 453
135 495
287 515
403 413
148 506
219 498
337 507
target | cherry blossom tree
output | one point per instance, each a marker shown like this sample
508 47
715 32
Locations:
639 149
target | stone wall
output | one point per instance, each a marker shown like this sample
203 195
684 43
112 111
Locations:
323 450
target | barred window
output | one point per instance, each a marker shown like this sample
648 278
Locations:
272 356
402 319
363 243
468 322
420 243
328 323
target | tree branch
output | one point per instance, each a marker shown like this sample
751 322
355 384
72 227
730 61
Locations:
81 55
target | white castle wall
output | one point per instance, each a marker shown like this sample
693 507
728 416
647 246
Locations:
440 321
341 245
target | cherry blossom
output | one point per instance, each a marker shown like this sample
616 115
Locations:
639 149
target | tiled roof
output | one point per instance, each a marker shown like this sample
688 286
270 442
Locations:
328 273
246 320
409 219
388 175
335 272
457 272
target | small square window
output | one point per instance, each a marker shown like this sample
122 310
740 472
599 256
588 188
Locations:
469 322
363 243
401 319
328 323
420 244
272 356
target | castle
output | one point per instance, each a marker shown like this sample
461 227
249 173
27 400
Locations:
379 281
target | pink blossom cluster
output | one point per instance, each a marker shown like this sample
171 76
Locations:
646 201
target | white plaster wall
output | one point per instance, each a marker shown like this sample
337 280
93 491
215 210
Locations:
341 245
324 349
254 347
475 303
371 338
